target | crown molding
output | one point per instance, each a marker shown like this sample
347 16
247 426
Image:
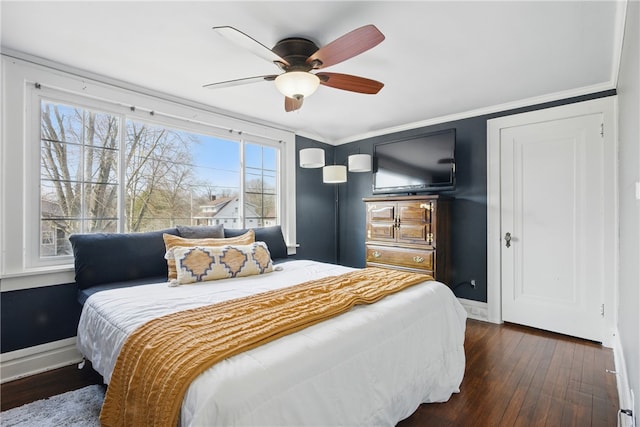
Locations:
556 96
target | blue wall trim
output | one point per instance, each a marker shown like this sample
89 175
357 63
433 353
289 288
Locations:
37 316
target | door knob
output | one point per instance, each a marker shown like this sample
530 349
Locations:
507 239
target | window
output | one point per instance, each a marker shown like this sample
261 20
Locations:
103 171
78 174
260 185
92 136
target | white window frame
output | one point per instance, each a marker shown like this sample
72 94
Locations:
20 266
33 259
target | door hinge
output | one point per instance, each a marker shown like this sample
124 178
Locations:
602 130
602 310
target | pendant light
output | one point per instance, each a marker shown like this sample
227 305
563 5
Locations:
311 158
334 174
359 163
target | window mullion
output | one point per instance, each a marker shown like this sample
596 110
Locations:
241 210
279 193
122 184
83 180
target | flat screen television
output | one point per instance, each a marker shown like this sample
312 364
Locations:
424 163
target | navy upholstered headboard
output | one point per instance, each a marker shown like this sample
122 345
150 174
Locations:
105 258
118 257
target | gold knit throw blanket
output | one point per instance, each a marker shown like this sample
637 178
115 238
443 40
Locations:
161 358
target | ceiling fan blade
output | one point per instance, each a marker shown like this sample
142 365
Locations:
292 104
238 82
249 43
347 46
350 83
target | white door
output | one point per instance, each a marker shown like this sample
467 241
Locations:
552 193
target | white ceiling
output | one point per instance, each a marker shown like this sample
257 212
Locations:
439 60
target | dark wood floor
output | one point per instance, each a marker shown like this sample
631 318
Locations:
36 387
515 376
518 376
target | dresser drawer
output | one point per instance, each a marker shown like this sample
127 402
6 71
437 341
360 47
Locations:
409 258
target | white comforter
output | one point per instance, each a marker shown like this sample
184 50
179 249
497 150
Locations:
370 366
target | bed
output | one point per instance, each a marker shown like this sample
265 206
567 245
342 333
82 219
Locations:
372 365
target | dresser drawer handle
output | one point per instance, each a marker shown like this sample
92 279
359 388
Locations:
418 258
376 254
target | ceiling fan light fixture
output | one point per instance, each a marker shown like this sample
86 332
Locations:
296 84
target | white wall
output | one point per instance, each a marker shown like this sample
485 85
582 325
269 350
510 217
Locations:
629 206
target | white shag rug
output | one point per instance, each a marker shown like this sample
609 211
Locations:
74 408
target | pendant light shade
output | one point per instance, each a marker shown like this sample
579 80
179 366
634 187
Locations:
334 174
359 163
311 158
297 84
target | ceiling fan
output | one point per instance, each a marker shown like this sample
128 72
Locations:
297 57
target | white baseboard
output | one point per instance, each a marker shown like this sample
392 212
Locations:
475 309
622 380
34 360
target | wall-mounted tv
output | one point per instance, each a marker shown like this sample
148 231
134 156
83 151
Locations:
424 163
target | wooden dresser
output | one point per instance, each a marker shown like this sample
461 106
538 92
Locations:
409 233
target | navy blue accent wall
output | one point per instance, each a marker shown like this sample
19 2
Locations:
469 209
36 316
469 216
315 208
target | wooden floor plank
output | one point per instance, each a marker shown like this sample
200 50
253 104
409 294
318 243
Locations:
605 396
514 376
517 383
535 405
587 383
558 376
541 412
554 414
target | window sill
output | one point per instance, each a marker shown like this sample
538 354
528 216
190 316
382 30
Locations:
37 278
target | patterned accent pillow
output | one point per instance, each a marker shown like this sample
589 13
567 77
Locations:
203 263
171 241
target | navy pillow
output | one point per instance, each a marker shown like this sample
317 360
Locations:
200 231
272 236
118 257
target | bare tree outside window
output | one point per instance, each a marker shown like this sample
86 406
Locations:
260 185
158 177
171 177
78 174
